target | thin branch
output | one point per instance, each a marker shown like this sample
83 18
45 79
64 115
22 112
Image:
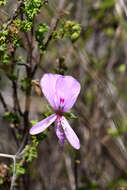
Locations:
14 174
15 14
28 91
36 66
18 155
55 21
22 64
7 155
54 24
21 148
27 39
3 102
14 85
14 167
15 97
124 6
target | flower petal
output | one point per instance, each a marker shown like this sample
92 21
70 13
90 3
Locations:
48 86
59 131
70 134
67 91
42 125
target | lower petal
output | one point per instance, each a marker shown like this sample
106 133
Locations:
42 125
70 134
59 131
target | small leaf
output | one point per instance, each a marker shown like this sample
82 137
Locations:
122 68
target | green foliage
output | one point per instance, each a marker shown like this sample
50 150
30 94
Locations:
28 156
89 97
13 76
31 150
41 30
12 117
3 2
40 35
25 84
20 170
40 137
62 68
97 15
104 5
99 12
1 180
110 31
20 59
122 68
116 184
9 36
3 36
70 29
16 41
3 47
33 122
89 185
32 7
48 113
5 58
119 131
70 115
24 26
56 35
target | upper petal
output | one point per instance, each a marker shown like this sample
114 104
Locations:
42 125
67 91
48 86
70 134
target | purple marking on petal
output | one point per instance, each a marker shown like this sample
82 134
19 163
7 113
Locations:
59 131
67 91
70 134
42 125
48 86
61 100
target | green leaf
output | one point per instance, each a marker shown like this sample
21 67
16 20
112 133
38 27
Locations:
12 117
70 115
3 2
33 122
26 84
20 170
122 68
32 7
1 180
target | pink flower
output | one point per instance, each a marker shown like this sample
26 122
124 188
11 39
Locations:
61 92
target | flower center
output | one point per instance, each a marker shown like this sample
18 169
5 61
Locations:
61 106
61 100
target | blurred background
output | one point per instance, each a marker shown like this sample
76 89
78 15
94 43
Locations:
98 60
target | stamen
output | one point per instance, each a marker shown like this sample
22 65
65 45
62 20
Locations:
61 100
61 106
